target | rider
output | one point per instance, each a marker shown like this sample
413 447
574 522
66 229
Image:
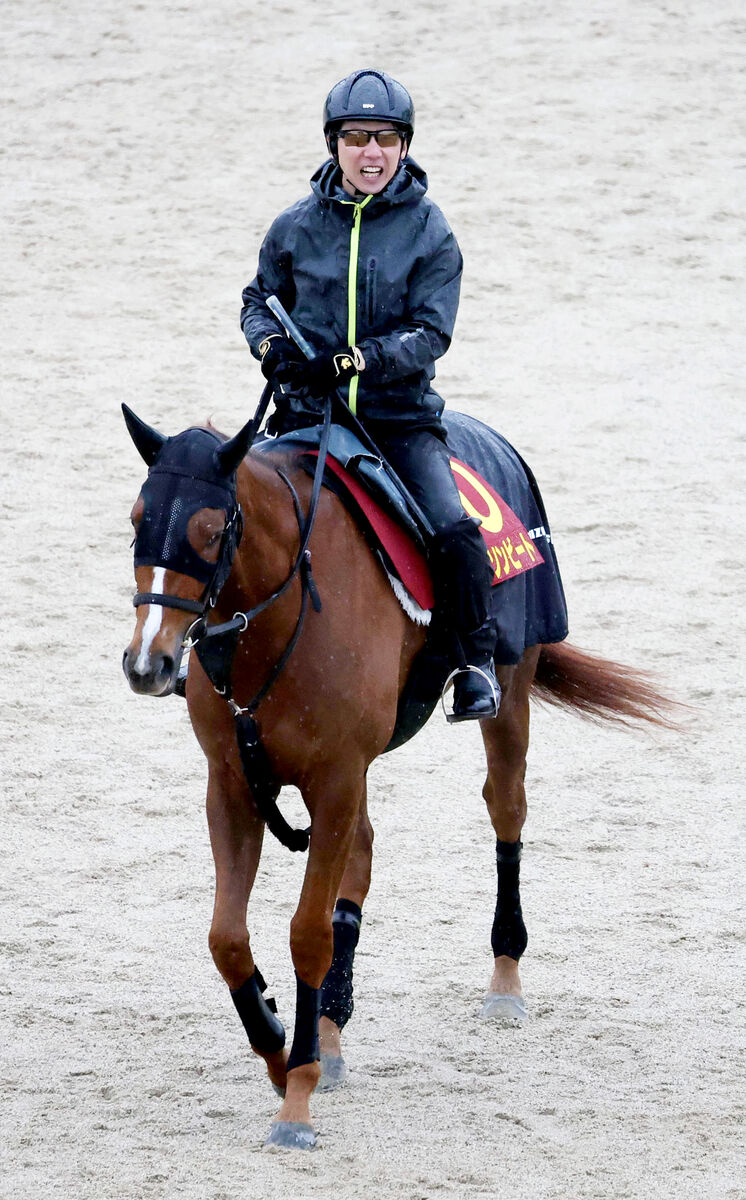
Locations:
370 271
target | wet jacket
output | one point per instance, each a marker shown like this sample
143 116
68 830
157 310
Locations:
380 272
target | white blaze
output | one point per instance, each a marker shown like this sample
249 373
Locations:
152 622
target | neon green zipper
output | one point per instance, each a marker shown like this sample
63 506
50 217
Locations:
352 292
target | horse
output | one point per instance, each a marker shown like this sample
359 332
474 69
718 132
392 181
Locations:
237 543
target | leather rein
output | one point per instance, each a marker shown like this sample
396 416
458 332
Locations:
215 644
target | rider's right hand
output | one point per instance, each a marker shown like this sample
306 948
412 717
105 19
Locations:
280 359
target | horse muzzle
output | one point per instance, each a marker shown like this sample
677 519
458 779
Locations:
154 674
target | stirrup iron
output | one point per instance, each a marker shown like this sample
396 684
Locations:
453 717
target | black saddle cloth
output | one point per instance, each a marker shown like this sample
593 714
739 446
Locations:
527 610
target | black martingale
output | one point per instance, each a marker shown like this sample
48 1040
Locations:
218 667
264 788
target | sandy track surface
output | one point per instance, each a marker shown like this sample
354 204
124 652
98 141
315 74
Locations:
591 163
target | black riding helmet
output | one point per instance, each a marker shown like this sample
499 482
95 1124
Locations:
367 95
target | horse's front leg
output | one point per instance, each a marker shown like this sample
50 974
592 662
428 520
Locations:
333 799
236 833
506 743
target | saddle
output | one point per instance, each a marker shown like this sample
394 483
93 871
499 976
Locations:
497 488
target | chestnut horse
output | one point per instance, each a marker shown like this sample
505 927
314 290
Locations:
325 690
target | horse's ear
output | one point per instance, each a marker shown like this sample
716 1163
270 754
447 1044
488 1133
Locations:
233 452
148 441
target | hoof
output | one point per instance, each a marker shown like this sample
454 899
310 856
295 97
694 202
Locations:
291 1135
503 1008
333 1072
278 1090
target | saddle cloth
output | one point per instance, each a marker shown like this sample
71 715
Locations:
496 486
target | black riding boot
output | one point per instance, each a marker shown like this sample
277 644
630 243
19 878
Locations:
462 578
476 695
476 692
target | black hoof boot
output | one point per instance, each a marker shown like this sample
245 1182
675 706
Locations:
476 694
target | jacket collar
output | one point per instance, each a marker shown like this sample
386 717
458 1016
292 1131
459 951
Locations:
407 187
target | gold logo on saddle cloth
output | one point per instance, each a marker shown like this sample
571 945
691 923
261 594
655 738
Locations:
509 547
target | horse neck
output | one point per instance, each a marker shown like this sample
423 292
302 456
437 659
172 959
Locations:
270 540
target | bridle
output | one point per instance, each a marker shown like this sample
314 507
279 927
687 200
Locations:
199 630
215 645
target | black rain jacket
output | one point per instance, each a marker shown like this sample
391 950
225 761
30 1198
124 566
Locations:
380 272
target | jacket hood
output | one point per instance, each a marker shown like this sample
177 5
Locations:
407 187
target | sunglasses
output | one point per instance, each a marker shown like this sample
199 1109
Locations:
386 138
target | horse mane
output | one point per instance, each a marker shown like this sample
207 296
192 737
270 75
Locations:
208 425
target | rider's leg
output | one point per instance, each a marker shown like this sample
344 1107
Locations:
458 560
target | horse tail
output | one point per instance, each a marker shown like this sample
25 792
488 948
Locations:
599 689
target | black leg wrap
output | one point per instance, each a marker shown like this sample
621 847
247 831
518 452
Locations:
264 1029
305 1048
336 992
509 934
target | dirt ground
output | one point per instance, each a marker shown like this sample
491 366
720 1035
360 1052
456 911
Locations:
590 159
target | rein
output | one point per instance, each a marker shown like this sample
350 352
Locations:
216 645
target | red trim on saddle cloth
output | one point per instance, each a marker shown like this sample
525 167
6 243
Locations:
407 558
509 548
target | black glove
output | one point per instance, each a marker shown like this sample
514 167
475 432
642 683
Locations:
322 374
280 359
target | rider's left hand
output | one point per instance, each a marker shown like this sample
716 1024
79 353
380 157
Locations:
322 374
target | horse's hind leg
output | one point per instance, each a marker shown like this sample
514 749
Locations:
506 744
337 990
